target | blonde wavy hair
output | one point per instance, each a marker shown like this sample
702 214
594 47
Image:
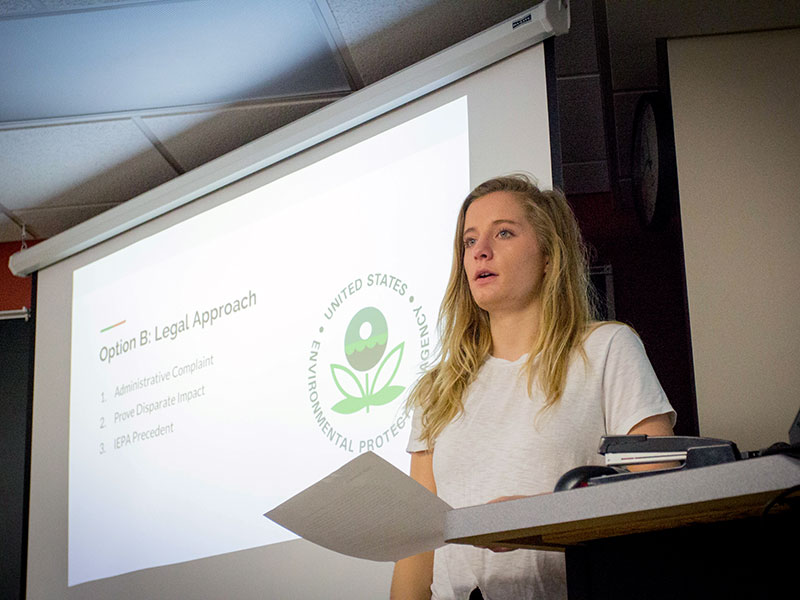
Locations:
466 339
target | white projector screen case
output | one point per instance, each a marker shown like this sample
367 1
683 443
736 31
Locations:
198 370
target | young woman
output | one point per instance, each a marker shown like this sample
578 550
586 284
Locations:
525 386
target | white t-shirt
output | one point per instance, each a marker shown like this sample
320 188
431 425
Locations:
501 446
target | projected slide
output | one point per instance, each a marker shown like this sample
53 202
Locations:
224 364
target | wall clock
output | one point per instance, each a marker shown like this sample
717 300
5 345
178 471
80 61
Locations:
653 160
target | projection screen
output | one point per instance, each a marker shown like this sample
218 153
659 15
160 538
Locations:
198 369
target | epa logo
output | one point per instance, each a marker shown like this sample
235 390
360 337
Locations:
365 346
373 342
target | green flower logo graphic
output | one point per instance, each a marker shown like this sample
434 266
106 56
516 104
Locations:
364 345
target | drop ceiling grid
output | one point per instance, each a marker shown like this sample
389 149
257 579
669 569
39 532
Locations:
84 163
49 221
194 139
384 36
12 8
16 8
9 232
163 55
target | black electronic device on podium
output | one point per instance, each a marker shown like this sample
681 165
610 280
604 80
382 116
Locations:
716 526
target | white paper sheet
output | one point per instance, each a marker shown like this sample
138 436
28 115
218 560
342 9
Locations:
368 509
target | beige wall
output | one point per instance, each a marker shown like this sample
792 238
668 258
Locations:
736 107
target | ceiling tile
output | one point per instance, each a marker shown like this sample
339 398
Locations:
50 221
195 139
17 7
9 232
169 54
88 163
54 5
379 33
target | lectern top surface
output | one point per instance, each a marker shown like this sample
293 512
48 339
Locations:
554 521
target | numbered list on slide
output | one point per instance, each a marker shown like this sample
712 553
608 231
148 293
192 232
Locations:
150 429
142 405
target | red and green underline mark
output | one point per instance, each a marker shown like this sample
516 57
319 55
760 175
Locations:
112 326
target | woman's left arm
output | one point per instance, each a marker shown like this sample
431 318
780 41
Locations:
655 426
